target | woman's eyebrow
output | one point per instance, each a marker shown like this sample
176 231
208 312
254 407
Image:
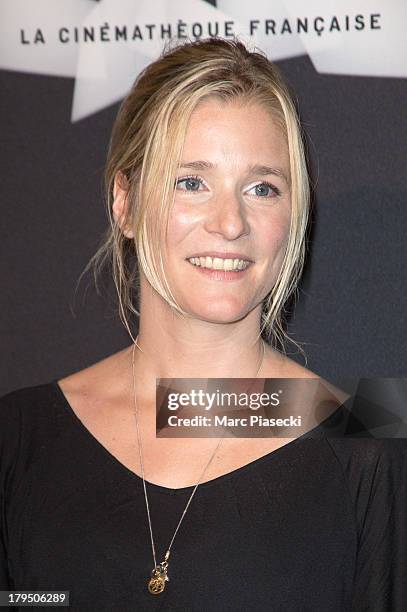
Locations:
197 165
259 169
266 170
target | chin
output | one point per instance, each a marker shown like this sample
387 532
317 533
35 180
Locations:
218 311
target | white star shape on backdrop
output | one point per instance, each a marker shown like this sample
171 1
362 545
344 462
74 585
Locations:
104 71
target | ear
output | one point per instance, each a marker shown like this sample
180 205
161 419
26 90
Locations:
120 202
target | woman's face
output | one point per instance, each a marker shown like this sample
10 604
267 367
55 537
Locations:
232 203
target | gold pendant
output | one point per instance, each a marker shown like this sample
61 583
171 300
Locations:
156 584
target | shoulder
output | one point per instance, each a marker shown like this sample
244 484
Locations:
278 365
103 378
26 423
375 473
28 398
23 412
372 458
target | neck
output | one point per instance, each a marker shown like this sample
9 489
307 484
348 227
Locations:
175 347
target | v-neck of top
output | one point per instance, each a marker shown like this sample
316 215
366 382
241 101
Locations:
315 432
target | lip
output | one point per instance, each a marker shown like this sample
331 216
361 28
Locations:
221 275
223 255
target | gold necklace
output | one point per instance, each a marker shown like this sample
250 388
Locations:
159 576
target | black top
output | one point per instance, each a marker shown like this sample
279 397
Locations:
316 525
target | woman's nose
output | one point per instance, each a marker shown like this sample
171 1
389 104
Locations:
227 216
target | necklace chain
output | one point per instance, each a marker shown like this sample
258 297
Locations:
159 574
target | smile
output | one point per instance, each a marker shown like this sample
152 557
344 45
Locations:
218 263
219 269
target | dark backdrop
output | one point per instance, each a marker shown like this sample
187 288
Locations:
351 315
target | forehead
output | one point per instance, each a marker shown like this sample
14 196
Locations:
238 131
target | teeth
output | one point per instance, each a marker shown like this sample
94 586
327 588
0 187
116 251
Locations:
218 263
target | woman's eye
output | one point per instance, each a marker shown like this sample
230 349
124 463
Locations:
190 183
265 190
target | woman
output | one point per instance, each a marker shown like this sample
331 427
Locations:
208 201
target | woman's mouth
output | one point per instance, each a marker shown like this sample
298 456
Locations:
218 268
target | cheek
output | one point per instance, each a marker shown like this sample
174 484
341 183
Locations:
181 223
274 236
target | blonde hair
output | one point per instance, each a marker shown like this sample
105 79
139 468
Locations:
145 151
